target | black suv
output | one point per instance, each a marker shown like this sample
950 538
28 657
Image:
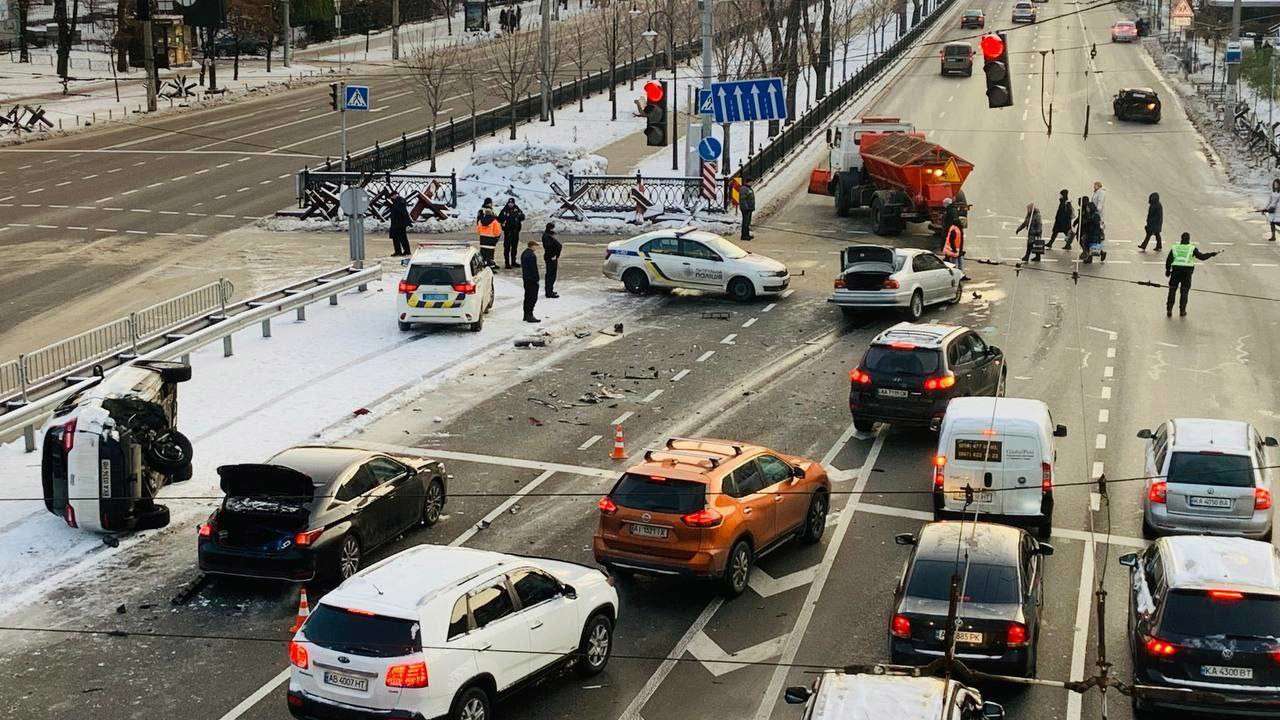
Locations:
1137 104
911 372
1204 618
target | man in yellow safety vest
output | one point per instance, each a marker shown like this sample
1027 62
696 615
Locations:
1178 267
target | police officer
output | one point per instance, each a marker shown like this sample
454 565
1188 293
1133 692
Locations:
551 248
1178 267
746 206
529 273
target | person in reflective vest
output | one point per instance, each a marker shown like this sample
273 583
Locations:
489 230
1178 267
953 247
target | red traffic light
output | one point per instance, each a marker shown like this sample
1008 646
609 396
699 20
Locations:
992 46
653 91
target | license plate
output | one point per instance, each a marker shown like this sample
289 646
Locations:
1223 671
889 392
649 531
434 296
963 636
986 497
343 680
1210 502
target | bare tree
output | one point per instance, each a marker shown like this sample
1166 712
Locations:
580 37
609 27
66 34
511 57
471 82
819 52
555 58
246 18
426 71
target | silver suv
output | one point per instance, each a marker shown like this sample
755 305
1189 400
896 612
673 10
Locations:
1207 477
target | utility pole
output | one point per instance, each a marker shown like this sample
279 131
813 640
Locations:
674 101
707 70
148 52
544 56
342 111
288 31
395 29
1233 69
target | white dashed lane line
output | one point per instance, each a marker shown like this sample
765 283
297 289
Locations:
1108 371
77 227
728 339
63 183
749 323
590 441
37 190
651 396
1100 442
622 418
1104 415
705 356
769 307
89 177
680 375
1106 392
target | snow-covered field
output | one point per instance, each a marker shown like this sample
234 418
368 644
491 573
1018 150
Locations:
307 381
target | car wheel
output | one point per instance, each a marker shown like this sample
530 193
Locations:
815 520
742 290
955 300
595 646
737 569
1029 668
863 425
433 503
478 325
404 326
169 452
879 223
635 281
1148 532
182 474
153 519
915 308
169 371
347 561
842 200
473 703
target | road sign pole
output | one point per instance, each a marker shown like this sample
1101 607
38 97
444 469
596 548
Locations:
342 111
707 57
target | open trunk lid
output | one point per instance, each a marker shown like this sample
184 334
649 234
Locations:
265 481
265 505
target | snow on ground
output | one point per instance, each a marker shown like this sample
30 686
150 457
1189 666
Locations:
307 380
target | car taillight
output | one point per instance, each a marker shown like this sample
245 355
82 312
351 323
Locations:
209 527
1046 477
70 516
407 288
839 283
901 626
464 288
889 284
1261 499
941 382
704 518
1159 648
298 655
859 377
69 435
1158 492
307 538
607 505
407 675
939 471
1225 596
1015 635
1151 106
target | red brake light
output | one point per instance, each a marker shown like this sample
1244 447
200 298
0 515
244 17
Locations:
1159 648
1158 492
1015 635
890 284
308 538
69 435
704 518
1225 595
298 655
901 626
70 516
941 382
1046 477
859 376
607 505
939 471
900 345
464 288
407 675
1261 499
206 529
839 283
407 287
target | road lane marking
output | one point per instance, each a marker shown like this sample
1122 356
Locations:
749 323
632 712
718 662
728 339
65 182
765 585
1103 416
1084 606
1106 392
1100 442
1109 371
1111 352
705 356
590 441
680 375
622 418
651 396
257 696
769 307
1057 532
40 190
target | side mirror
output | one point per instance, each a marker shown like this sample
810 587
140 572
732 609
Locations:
1145 434
904 539
1129 560
993 351
1060 431
992 711
569 592
797 694
1269 441
797 471
1044 549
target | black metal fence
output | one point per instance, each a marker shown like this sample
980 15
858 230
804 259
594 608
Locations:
613 193
427 195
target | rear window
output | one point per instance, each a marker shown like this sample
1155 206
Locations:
870 254
1206 469
917 361
1196 613
958 50
436 274
986 583
359 634
642 492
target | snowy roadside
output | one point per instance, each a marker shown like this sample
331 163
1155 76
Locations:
308 381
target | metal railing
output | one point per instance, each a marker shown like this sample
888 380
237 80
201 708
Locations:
612 193
318 192
10 378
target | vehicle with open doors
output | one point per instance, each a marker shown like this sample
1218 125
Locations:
904 279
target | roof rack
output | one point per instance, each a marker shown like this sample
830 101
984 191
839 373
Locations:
677 456
734 449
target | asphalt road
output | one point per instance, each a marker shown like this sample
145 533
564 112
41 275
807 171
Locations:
1099 351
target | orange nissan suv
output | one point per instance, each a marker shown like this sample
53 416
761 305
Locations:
709 508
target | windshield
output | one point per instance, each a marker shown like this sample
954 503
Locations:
642 492
360 634
1198 613
919 361
931 579
725 249
1211 469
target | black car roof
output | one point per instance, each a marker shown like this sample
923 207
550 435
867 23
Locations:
983 542
323 464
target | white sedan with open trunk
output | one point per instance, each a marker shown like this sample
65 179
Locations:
906 279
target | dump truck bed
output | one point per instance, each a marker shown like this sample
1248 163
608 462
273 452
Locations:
926 171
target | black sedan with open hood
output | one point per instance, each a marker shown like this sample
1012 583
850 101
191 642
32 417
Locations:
316 511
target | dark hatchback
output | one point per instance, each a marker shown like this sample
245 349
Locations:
1204 626
1002 589
1137 104
316 511
911 371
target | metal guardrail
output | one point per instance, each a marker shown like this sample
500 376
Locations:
10 377
182 339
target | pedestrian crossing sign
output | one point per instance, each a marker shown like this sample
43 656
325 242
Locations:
357 97
950 173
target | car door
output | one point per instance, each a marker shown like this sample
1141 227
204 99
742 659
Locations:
943 279
923 279
550 617
364 502
703 266
987 365
500 638
757 506
663 261
963 365
404 494
789 499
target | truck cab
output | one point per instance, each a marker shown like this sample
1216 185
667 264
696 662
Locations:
846 140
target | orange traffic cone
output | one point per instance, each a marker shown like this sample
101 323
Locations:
304 611
619 452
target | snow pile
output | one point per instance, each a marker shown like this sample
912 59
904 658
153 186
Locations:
524 172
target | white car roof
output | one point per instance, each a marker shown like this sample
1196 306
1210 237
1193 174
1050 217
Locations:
1209 434
922 334
684 232
1204 562
858 697
996 413
442 253
404 582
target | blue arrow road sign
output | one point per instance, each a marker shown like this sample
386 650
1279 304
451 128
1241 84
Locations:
743 100
709 149
357 97
704 103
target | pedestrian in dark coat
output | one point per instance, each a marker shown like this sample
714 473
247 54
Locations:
1035 233
747 206
1155 221
400 222
519 14
529 273
512 219
1090 231
1062 220
551 248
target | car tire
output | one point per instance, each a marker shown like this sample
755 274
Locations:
169 371
741 290
969 72
849 313
863 424
1044 528
737 569
595 646
815 518
842 200
915 307
433 503
171 456
471 703
1148 532
153 519
1267 537
636 281
478 325
346 559
1030 667
404 326
182 474
955 300
879 224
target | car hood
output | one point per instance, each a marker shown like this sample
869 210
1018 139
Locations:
760 262
259 480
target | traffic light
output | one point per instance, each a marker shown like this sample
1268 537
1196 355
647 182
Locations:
995 56
333 95
655 113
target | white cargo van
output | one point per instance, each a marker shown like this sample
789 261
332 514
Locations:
890 693
996 455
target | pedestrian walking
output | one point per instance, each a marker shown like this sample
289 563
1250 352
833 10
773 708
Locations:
551 248
953 246
519 14
502 20
529 273
746 206
1035 233
489 229
1178 267
1091 233
1099 200
1155 221
400 222
1062 221
1272 210
512 219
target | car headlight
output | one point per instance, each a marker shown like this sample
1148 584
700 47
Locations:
772 273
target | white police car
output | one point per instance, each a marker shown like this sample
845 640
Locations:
445 283
694 259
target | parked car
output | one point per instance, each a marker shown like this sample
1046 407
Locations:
1204 615
957 57
445 284
973 18
226 43
1124 31
317 510
888 693
693 259
1137 104
110 448
905 279
1206 477
911 371
998 624
1024 11
405 638
709 509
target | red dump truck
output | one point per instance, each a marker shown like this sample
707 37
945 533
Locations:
886 165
